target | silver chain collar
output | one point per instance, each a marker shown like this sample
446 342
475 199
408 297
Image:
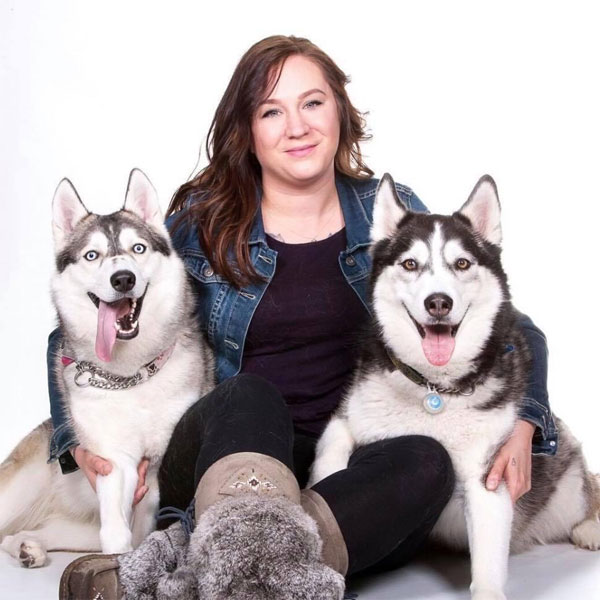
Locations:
99 378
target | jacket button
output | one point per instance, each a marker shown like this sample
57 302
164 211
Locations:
350 261
208 272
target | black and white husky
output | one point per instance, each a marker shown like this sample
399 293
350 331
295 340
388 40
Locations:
436 364
133 362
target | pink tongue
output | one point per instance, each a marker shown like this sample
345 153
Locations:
438 347
106 334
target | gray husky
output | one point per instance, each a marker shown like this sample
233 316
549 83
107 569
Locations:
436 364
133 362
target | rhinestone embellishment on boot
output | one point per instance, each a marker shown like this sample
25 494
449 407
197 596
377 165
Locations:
252 483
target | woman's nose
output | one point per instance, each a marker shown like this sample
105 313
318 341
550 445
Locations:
296 126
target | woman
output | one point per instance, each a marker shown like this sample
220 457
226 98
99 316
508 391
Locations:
275 233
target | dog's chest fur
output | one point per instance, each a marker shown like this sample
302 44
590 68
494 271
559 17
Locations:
386 404
137 421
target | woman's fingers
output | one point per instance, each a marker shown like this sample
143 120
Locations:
100 465
141 487
496 472
91 464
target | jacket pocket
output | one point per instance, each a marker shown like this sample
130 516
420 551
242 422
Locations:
199 268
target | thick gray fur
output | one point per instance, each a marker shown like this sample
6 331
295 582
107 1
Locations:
141 571
243 548
248 548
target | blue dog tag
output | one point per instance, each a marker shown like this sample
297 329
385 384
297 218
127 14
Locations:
433 403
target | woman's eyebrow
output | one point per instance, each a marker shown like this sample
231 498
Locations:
302 95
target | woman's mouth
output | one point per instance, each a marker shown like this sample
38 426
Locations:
301 151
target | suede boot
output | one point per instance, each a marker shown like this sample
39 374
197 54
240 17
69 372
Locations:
135 575
254 540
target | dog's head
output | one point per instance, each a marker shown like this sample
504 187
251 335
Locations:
437 284
113 270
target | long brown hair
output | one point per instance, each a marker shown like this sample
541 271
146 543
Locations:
227 185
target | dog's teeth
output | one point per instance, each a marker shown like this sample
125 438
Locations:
134 325
118 326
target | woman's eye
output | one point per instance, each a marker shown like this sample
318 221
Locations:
270 113
313 103
139 248
91 255
409 264
462 264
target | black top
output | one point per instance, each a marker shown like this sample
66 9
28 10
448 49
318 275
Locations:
302 336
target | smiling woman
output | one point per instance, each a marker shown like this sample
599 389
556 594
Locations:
285 123
296 143
303 125
275 233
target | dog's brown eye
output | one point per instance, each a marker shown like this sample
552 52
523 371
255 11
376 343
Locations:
409 264
463 264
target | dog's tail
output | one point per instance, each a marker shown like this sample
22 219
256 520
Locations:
25 481
596 493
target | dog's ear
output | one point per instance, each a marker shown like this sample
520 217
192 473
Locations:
483 210
388 210
141 199
67 211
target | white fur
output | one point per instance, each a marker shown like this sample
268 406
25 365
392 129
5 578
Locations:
383 404
44 510
67 211
483 210
476 295
386 405
388 212
141 198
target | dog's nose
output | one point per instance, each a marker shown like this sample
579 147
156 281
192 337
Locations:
122 281
438 305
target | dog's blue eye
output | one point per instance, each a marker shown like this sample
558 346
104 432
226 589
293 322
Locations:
91 255
139 248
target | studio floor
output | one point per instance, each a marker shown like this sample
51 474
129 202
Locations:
556 572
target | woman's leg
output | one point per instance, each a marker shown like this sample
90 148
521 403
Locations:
243 414
388 499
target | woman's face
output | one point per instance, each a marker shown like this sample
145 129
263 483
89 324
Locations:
296 131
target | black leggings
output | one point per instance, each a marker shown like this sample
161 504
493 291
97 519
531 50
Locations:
386 502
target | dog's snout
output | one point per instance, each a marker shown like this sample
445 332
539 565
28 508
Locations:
122 281
438 305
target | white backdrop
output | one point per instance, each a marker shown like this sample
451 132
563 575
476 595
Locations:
454 90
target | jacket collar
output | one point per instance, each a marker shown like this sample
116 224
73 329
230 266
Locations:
355 217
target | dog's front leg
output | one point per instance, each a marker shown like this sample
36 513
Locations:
115 494
144 514
489 521
333 450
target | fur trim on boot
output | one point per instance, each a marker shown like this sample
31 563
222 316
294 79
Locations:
156 558
179 585
250 548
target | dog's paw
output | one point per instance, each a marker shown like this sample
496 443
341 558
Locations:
27 550
587 535
487 595
32 554
115 541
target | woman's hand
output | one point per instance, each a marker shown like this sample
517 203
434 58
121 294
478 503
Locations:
93 465
513 462
141 488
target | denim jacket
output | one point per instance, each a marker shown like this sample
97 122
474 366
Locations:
224 313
